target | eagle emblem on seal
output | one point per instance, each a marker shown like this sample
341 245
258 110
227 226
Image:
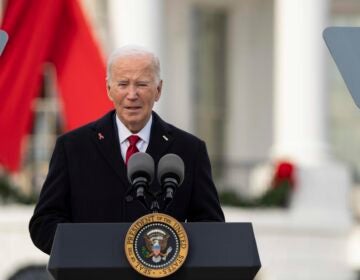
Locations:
156 245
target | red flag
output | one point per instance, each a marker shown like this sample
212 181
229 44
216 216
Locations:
47 31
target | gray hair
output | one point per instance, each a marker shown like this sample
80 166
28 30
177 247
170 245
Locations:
133 50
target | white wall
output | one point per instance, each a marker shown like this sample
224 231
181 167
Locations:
16 248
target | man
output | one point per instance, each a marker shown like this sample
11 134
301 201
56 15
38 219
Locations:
87 179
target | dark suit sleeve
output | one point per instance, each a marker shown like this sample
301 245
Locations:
53 206
204 205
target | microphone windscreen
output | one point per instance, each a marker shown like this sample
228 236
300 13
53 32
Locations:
171 165
140 164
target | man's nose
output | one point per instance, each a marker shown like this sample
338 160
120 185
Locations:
132 92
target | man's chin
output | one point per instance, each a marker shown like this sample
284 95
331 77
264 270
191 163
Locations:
134 124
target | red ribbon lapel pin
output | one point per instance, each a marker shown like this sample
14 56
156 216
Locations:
101 137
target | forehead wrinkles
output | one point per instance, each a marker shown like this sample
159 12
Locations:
131 68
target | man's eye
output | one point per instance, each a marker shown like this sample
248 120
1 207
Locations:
122 84
142 84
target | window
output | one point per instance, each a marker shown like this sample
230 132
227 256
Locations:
208 84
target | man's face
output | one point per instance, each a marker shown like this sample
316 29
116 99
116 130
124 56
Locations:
133 89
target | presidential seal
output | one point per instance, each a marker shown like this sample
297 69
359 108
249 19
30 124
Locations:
156 245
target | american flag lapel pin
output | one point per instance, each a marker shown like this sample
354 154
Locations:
101 137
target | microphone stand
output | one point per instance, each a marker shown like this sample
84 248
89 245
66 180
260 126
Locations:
140 193
154 207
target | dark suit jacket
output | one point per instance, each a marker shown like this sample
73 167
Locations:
87 180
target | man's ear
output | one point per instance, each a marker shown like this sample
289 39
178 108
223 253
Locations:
159 90
108 92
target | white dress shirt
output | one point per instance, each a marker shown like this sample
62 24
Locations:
124 134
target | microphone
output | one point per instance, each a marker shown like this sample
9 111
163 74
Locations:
4 37
140 172
170 174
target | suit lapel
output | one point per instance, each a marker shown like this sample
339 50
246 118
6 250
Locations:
107 141
161 138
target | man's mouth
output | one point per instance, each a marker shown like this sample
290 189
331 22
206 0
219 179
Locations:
133 108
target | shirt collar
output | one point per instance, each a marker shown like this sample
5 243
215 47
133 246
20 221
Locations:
124 132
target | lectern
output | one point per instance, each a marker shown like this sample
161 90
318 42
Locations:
96 251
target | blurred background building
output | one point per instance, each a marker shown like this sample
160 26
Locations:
254 79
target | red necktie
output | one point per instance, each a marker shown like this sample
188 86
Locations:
132 149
